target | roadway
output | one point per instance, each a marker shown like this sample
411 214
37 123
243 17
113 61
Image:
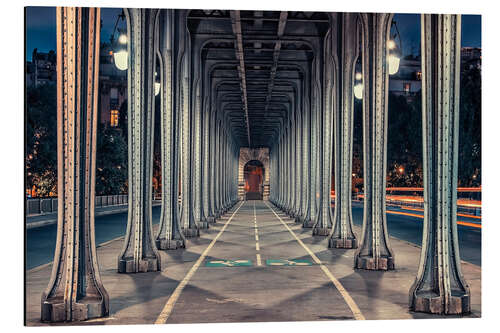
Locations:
40 242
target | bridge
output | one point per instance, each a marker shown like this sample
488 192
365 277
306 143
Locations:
256 113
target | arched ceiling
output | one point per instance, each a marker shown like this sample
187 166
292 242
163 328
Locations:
256 63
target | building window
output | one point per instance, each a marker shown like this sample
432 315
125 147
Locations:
114 118
406 87
113 97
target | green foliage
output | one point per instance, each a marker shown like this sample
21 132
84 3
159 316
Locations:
404 141
469 152
111 161
41 139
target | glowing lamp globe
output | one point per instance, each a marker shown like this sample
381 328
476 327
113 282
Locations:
393 64
121 59
157 88
358 91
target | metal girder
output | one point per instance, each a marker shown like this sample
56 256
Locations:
439 286
75 291
169 234
236 24
346 52
374 252
139 252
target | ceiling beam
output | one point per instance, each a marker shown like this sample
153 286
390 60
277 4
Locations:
236 24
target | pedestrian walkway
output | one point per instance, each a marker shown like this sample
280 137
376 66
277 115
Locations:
255 264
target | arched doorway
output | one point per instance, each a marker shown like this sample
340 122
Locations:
254 180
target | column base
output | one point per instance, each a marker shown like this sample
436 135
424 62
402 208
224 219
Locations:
202 224
170 244
370 263
321 231
191 232
211 219
54 310
338 243
432 303
307 224
127 265
299 220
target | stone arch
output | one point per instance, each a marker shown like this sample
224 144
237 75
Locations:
246 155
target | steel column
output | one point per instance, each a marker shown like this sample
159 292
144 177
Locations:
169 233
374 252
324 220
440 286
75 291
139 253
346 51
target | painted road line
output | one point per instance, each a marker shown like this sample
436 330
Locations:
256 236
458 214
348 299
469 224
169 306
257 247
259 262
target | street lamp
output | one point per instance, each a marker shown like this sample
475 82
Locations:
394 55
120 53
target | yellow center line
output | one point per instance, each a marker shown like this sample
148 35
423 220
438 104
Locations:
169 306
348 299
259 263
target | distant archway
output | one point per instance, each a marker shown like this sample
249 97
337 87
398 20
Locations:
254 173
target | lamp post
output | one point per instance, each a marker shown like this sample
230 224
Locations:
120 53
395 52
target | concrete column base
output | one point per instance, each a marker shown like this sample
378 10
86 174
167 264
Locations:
211 219
432 303
307 224
127 265
202 224
170 244
338 243
321 231
370 263
84 309
299 219
192 232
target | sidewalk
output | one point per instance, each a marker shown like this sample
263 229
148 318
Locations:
262 287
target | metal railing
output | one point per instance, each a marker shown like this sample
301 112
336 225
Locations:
37 206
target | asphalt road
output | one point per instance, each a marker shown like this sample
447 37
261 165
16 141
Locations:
40 242
410 229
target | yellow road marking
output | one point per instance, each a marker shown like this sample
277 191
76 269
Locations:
259 263
256 236
348 299
169 306
257 248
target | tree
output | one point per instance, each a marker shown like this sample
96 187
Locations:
469 152
404 141
111 161
41 139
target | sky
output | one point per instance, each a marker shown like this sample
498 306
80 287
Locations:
41 29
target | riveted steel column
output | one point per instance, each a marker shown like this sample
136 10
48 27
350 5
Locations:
139 253
212 161
206 156
75 291
291 166
197 133
306 152
189 226
217 168
299 184
440 286
169 233
342 235
374 252
323 221
315 110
